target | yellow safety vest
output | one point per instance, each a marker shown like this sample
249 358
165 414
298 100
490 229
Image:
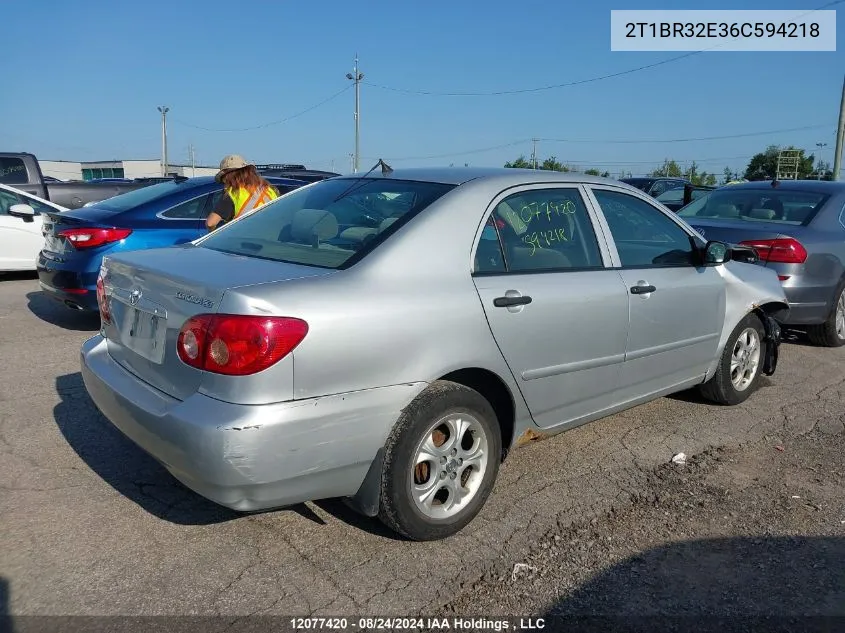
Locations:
244 200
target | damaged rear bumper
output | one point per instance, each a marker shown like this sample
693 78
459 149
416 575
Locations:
249 457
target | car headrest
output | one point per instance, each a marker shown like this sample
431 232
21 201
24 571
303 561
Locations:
724 210
313 224
762 214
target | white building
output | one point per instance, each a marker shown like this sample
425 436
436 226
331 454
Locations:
89 170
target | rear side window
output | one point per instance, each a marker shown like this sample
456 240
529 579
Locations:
189 210
12 171
326 224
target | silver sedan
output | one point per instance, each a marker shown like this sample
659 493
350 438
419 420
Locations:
387 339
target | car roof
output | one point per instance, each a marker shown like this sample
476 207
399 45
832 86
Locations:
207 180
820 186
502 175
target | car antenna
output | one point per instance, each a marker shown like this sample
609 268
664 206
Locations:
385 170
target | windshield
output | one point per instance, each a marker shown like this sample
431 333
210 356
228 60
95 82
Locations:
131 199
311 226
757 205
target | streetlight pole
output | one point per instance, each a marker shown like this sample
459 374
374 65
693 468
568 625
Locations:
164 110
357 77
819 161
840 137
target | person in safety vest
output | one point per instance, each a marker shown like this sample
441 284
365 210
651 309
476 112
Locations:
244 190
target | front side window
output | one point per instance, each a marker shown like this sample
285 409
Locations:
7 200
644 236
539 229
13 171
328 223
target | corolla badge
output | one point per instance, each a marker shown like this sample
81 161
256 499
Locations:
134 297
201 301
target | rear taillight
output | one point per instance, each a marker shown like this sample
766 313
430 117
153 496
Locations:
103 300
91 238
785 250
238 345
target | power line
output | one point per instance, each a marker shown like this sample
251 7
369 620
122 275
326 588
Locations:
688 140
525 141
569 84
462 153
271 123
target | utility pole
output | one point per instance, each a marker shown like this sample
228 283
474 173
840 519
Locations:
357 77
840 138
819 160
164 110
534 153
193 160
352 161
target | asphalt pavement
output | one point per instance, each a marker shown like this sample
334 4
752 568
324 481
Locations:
92 526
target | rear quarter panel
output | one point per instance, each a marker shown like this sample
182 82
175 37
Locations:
406 313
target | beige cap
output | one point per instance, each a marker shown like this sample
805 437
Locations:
230 162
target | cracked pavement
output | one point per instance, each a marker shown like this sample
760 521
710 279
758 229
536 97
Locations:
93 526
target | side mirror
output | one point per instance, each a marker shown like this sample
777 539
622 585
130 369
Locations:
716 253
22 211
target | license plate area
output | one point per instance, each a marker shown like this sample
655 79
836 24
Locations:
142 328
52 243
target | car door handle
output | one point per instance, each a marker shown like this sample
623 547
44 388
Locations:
642 290
506 302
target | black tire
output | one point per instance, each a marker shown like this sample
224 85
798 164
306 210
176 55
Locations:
720 388
397 508
825 334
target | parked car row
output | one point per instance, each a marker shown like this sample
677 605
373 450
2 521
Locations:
389 338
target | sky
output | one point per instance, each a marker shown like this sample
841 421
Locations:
84 80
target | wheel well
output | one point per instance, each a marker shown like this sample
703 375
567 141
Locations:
497 394
772 309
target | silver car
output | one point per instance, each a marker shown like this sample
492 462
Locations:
387 339
798 228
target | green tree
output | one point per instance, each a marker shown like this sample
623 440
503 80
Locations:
669 169
593 172
764 166
552 164
727 176
519 163
549 164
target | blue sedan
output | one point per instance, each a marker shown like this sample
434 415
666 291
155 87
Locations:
165 214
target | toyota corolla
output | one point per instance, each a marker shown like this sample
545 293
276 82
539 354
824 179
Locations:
387 339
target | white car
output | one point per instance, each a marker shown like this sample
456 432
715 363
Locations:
20 228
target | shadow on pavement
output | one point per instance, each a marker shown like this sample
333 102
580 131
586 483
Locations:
140 478
18 275
56 313
730 584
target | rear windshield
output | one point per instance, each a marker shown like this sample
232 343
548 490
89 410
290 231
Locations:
642 184
757 205
131 199
326 224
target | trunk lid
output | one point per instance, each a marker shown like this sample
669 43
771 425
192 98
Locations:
54 222
734 232
153 292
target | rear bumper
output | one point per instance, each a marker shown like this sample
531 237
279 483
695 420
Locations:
808 306
248 457
67 286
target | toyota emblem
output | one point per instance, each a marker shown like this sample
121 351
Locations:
134 297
